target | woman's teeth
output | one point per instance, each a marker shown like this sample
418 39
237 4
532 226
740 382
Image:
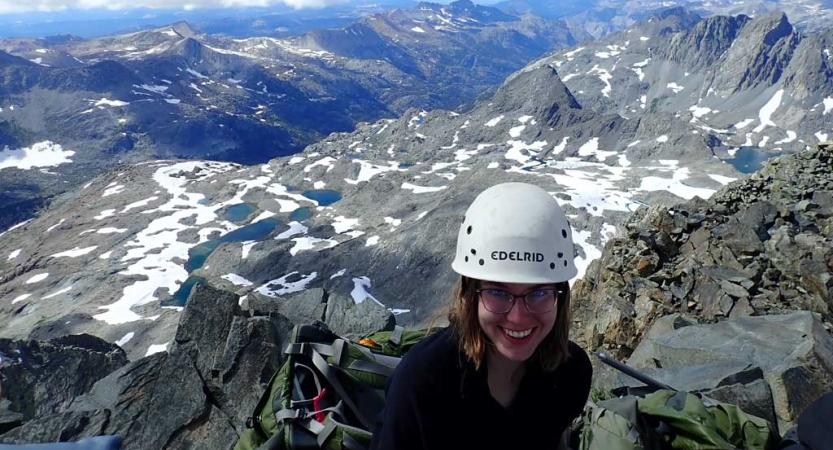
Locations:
517 334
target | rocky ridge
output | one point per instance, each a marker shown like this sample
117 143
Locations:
760 246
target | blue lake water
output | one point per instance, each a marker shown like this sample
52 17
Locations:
238 212
324 197
750 159
252 232
405 165
181 295
300 214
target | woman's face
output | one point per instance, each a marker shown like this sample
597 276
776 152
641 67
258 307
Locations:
517 333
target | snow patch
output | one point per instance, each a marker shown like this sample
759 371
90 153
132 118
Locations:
765 114
591 148
20 298
113 190
675 87
105 101
75 252
422 189
125 339
37 278
294 228
57 293
359 292
41 154
236 280
494 121
286 287
157 349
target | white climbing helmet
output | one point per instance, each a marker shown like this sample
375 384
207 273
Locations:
515 233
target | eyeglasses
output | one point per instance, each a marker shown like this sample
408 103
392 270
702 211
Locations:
539 301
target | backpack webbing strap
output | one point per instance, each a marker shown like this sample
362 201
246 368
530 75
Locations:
299 418
296 384
396 336
300 349
373 403
372 367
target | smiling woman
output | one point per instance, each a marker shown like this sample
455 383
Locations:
504 364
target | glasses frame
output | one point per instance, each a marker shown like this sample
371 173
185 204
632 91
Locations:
557 293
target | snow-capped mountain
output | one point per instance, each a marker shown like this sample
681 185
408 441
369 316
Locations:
369 214
602 17
748 82
176 92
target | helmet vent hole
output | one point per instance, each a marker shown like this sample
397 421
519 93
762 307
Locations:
467 259
473 251
564 233
560 255
464 219
468 231
552 266
482 262
565 263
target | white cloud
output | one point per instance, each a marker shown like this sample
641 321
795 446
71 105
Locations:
16 6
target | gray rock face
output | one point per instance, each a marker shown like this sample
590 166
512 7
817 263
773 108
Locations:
753 248
196 395
797 366
347 318
41 378
760 54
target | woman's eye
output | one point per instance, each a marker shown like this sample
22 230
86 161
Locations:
496 292
541 293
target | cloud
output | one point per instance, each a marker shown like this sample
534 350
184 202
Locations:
17 6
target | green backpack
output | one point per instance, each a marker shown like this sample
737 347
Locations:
672 420
329 391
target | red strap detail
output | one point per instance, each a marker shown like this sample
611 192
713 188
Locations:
316 404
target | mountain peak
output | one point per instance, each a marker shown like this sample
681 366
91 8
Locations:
670 20
539 92
184 29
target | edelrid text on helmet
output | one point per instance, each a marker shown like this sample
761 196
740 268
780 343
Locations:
515 233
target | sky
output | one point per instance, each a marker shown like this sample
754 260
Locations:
17 6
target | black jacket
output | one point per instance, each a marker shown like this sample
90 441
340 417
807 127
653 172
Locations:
436 400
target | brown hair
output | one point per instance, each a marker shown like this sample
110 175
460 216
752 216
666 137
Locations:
462 316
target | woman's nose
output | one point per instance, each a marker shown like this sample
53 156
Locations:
519 310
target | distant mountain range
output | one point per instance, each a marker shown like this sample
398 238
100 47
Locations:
277 20
746 82
369 214
177 92
602 17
